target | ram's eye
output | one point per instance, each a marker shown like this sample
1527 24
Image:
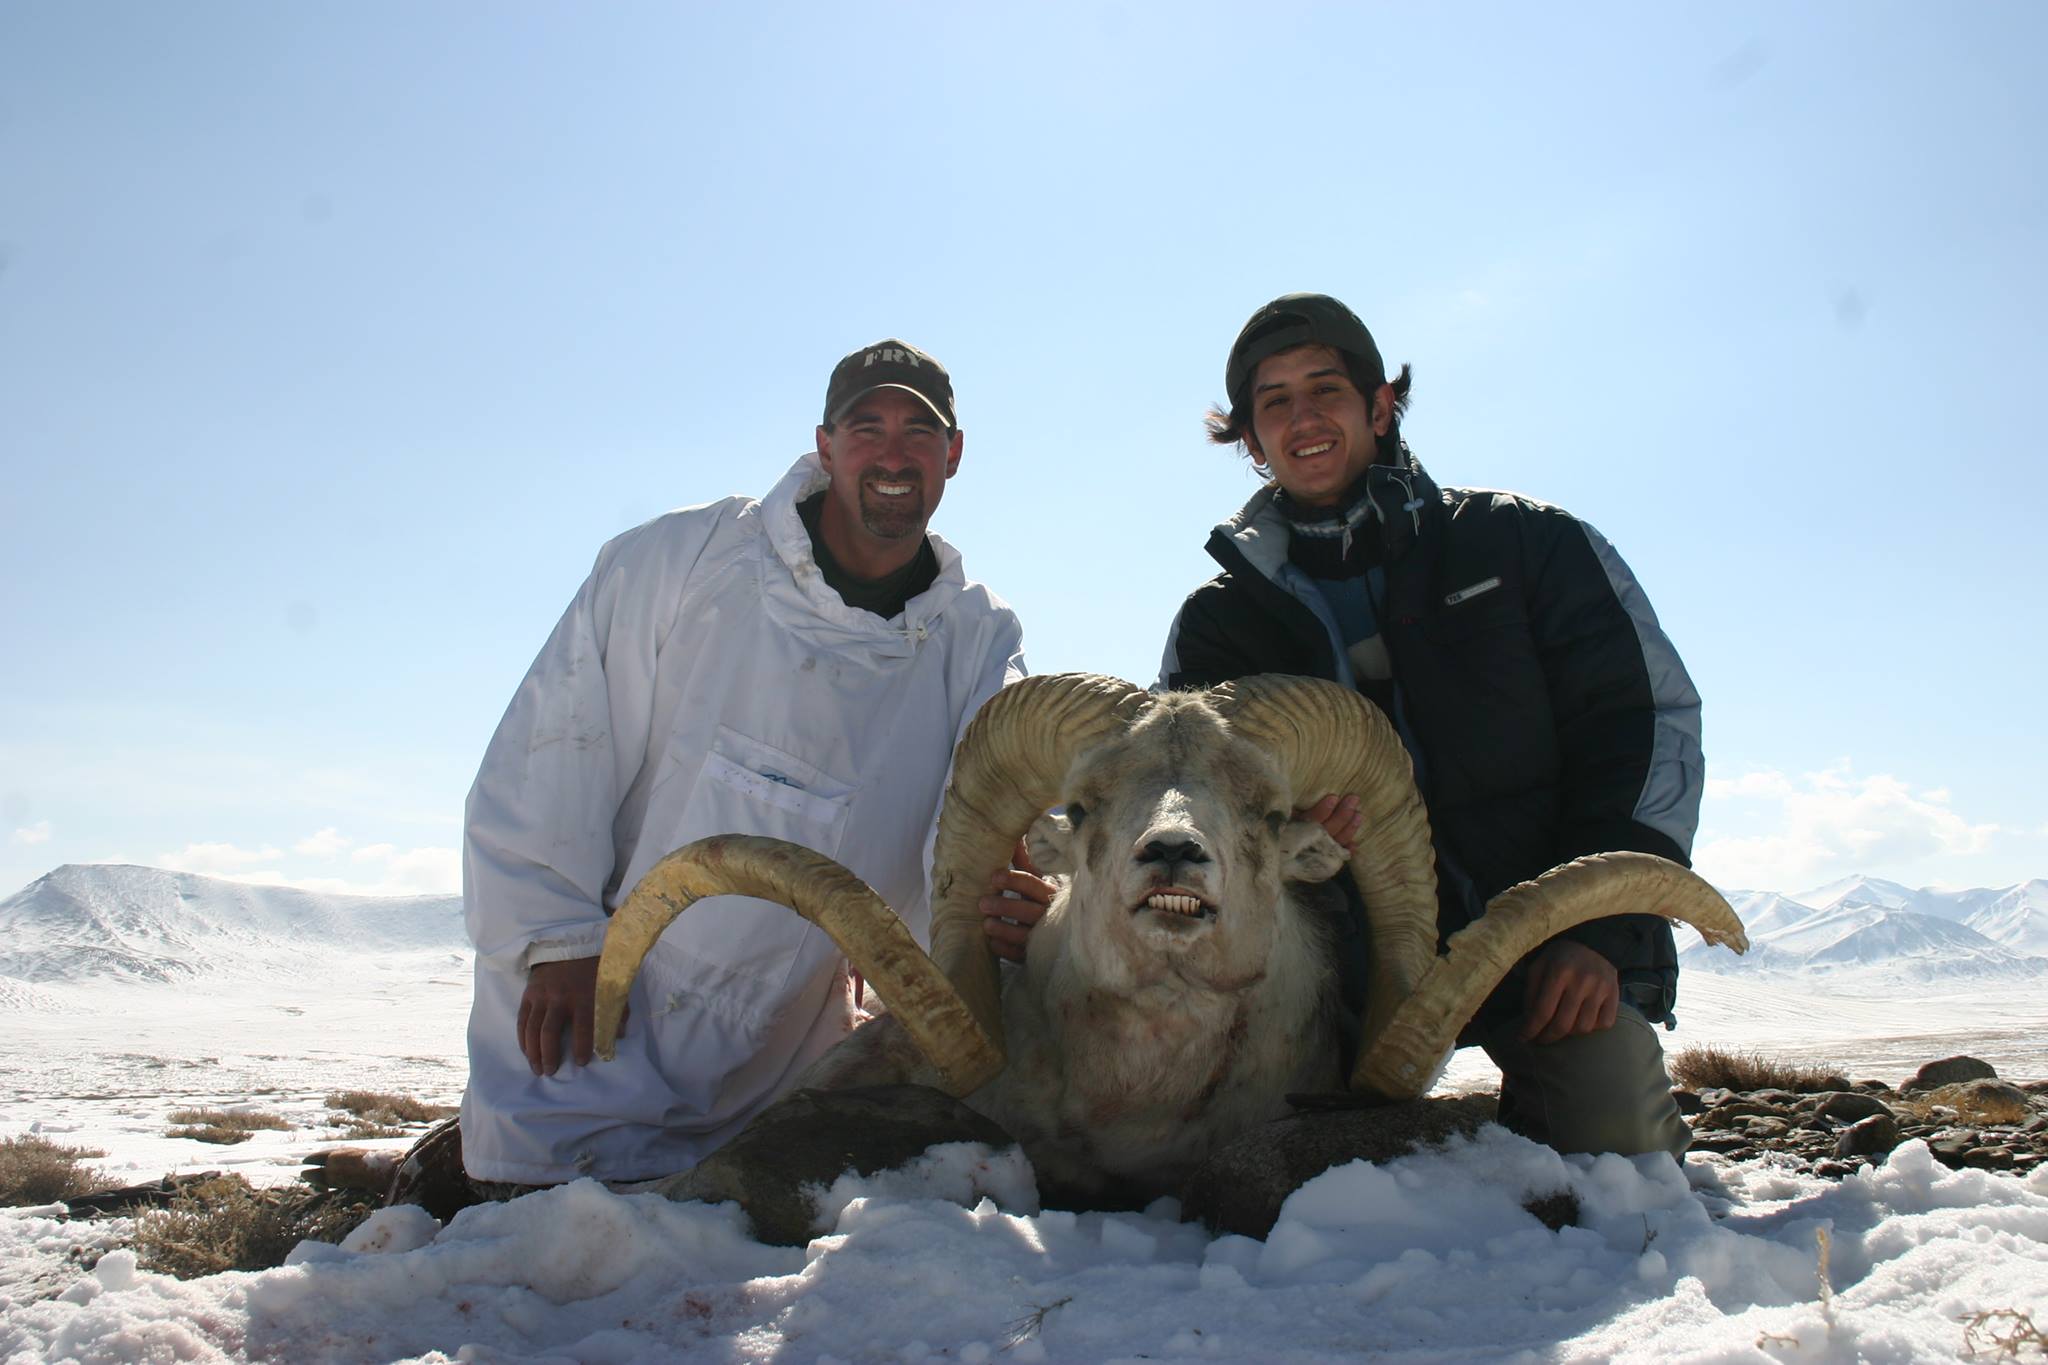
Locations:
1076 813
1276 820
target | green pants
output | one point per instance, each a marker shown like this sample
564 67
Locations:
1595 1092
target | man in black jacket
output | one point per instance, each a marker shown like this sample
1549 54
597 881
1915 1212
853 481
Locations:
1547 713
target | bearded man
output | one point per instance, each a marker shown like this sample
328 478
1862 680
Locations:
798 665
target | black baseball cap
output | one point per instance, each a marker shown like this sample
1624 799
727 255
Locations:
1294 320
890 364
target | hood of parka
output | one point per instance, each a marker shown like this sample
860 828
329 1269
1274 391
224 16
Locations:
805 604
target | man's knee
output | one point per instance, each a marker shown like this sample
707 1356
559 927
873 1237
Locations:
1630 1128
1596 1092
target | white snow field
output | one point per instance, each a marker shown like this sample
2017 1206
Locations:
1429 1258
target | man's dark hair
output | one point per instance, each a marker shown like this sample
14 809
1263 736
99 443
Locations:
1234 427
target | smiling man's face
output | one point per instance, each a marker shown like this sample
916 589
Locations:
888 457
1311 428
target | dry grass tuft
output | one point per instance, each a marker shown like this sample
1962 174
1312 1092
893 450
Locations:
375 1114
35 1170
2008 1332
1020 1330
228 1224
221 1125
1702 1068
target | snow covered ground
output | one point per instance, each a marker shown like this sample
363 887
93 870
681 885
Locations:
101 1066
1424 1259
1427 1258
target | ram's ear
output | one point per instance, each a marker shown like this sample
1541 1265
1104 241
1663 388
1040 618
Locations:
1050 844
1308 853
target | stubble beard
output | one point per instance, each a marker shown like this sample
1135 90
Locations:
893 518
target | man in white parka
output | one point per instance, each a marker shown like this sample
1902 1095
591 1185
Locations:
800 666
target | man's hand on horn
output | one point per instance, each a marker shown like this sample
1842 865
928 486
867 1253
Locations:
559 996
1007 919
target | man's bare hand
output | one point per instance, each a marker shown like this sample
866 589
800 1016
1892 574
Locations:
1340 816
559 996
1572 990
1008 920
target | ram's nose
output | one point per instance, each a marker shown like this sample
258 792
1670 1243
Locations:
1164 850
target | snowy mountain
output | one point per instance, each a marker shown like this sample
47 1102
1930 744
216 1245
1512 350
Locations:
1865 935
1860 890
106 922
1951 905
1766 912
1865 939
2017 918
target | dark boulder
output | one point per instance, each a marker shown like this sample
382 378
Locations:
1851 1105
1951 1147
1732 1145
1989 1158
1872 1135
1950 1071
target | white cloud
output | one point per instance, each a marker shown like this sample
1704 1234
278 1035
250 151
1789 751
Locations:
382 869
323 844
226 861
38 833
420 872
1773 831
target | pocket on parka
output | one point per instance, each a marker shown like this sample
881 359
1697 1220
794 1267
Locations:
782 782
748 786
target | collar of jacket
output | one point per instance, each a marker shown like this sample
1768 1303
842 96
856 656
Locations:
798 598
1403 498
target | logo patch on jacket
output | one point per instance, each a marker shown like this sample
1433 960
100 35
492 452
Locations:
1466 594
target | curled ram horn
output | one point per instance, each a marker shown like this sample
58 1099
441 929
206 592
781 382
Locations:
846 908
1006 773
1424 1025
1327 738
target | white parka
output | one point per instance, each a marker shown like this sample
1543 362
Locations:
705 680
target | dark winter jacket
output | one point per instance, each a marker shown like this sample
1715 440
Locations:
1548 714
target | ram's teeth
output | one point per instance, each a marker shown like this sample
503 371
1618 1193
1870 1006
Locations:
1179 905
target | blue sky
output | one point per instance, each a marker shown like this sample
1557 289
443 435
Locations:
334 339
